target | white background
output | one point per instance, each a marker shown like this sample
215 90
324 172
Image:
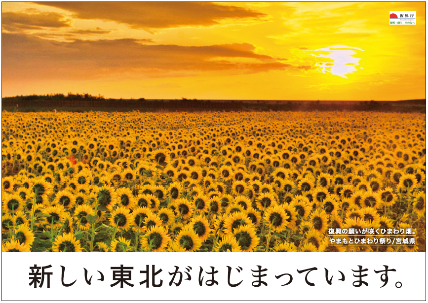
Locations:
410 272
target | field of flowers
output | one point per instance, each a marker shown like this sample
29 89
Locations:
243 181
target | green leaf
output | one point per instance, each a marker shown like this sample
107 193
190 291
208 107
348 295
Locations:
297 237
78 235
91 219
102 208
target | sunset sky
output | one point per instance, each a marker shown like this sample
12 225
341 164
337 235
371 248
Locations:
208 50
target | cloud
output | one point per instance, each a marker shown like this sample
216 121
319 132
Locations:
147 15
14 21
29 57
95 31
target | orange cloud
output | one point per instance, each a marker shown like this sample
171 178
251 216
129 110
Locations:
30 57
14 21
146 15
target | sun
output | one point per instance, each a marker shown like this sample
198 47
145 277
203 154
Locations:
342 60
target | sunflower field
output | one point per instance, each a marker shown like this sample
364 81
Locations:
212 181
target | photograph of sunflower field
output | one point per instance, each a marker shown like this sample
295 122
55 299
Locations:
298 120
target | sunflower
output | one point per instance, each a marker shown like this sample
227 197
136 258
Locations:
167 216
81 212
407 183
385 223
148 188
357 224
419 206
306 184
152 220
170 171
277 218
363 185
195 175
187 240
227 243
357 199
14 246
174 190
54 215
156 239
24 235
330 205
195 191
318 221
102 247
41 187
12 203
226 172
388 196
254 216
214 205
138 218
308 247
370 216
243 201
285 247
267 189
320 194
125 198
120 245
314 237
246 238
292 216
347 190
265 201
121 218
176 228
8 184
106 197
159 192
66 243
371 199
19 218
128 175
408 245
226 200
201 203
67 226
201 227
65 198
302 206
235 220
326 246
239 187
184 208
153 202
324 180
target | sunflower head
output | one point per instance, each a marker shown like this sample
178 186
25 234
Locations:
246 238
227 243
66 243
188 240
156 239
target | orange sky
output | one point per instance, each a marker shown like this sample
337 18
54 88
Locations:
208 50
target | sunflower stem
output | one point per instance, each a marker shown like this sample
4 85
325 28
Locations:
32 211
268 238
114 233
137 234
93 229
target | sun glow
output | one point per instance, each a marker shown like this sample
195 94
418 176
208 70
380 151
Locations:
342 60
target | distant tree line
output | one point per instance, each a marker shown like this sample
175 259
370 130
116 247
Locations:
86 102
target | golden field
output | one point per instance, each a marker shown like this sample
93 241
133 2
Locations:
240 181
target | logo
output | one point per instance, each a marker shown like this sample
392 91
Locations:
402 18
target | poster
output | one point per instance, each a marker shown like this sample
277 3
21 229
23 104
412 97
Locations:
213 151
